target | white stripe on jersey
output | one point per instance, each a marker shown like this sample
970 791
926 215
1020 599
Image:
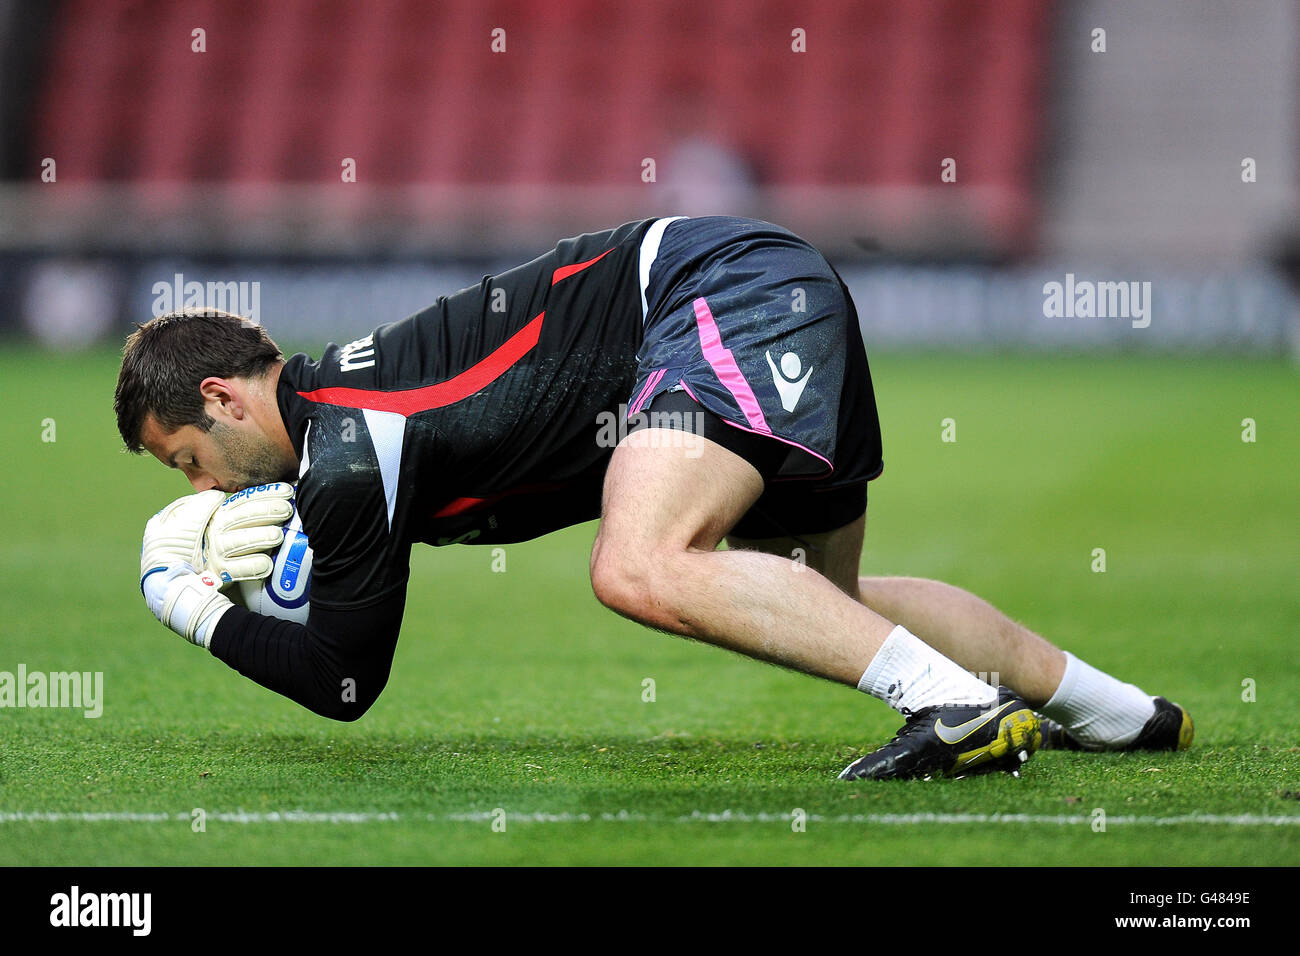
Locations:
387 432
649 252
306 454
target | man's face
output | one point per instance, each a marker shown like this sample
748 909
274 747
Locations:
229 457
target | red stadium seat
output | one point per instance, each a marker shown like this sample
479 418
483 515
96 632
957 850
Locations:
413 92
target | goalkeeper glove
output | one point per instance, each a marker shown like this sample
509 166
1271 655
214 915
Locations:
240 531
188 603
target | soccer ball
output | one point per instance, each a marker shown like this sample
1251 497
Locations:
285 593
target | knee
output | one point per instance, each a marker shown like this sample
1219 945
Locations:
632 583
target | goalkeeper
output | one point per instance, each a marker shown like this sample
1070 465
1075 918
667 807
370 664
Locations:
728 354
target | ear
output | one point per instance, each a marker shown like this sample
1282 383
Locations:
222 397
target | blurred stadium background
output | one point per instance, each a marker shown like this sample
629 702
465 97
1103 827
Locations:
213 139
128 158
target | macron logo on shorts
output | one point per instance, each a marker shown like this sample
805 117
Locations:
786 379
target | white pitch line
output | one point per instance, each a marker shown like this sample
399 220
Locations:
285 816
881 819
625 816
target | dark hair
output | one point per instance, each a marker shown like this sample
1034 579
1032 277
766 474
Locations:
165 359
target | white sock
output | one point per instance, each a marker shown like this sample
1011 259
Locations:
909 674
1096 708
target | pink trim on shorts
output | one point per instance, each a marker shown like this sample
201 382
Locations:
725 367
795 444
646 390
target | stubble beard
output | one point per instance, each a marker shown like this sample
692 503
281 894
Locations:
251 460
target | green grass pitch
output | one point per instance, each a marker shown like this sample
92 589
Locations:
516 692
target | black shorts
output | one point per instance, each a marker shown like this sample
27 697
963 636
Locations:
748 324
786 508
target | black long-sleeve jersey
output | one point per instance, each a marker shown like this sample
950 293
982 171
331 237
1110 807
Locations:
476 420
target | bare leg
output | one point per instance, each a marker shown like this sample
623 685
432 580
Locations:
954 622
655 560
971 631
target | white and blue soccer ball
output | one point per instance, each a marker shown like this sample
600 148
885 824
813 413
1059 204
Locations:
286 592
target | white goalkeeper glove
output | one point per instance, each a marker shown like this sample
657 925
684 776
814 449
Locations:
187 602
242 529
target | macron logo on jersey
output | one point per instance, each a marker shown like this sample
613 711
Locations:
357 355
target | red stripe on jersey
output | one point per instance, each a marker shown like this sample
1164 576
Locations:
457 505
409 401
565 271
